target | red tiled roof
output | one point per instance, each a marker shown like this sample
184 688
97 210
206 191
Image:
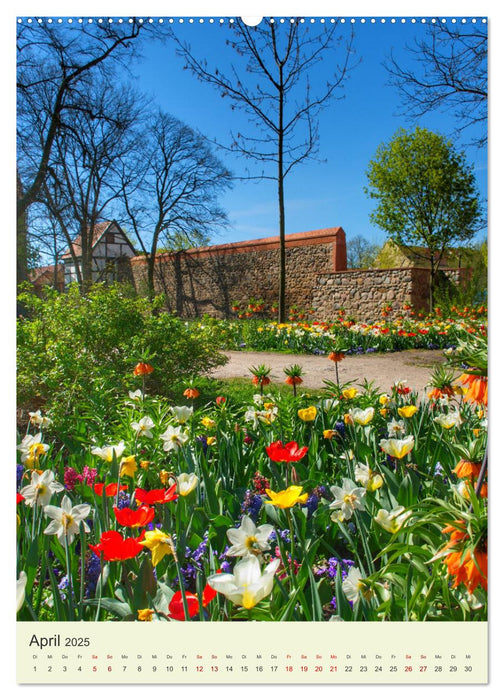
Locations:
38 272
98 231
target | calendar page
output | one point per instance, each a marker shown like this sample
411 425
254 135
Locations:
252 380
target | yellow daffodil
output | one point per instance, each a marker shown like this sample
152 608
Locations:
144 464
407 411
159 543
211 440
307 414
384 400
287 498
349 393
164 476
329 434
383 411
145 615
128 466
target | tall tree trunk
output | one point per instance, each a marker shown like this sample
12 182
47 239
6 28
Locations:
432 283
21 237
281 211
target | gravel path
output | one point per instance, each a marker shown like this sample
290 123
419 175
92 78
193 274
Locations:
412 366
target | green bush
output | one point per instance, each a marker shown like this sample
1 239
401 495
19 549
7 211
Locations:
77 353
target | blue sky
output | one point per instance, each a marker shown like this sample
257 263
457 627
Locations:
318 194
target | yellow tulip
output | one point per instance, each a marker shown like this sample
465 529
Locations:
407 411
349 393
307 414
398 448
287 498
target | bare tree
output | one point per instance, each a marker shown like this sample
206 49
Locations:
82 184
55 64
172 197
360 253
446 70
271 84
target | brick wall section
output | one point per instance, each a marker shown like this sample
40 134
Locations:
363 293
209 280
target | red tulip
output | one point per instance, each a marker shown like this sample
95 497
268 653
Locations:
176 605
156 495
110 489
134 518
291 452
115 548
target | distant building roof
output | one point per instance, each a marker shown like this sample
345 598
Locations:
99 230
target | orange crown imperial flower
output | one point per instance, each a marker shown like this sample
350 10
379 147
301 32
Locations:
293 380
477 391
336 356
191 393
143 368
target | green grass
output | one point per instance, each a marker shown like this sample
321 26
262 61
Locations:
241 391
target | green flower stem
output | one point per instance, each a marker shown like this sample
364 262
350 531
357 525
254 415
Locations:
71 608
83 570
365 544
182 589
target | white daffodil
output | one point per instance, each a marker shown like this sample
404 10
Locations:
66 520
186 483
398 448
173 438
248 539
182 413
20 590
41 488
367 477
136 397
347 499
361 416
143 427
108 451
31 449
396 428
38 419
449 420
354 584
247 585
392 521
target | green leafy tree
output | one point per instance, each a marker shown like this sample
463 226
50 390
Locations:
426 194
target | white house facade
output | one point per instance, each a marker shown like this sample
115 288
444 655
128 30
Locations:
110 248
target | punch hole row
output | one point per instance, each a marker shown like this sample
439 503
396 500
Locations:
272 20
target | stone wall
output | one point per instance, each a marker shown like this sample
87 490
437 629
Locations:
209 280
364 293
